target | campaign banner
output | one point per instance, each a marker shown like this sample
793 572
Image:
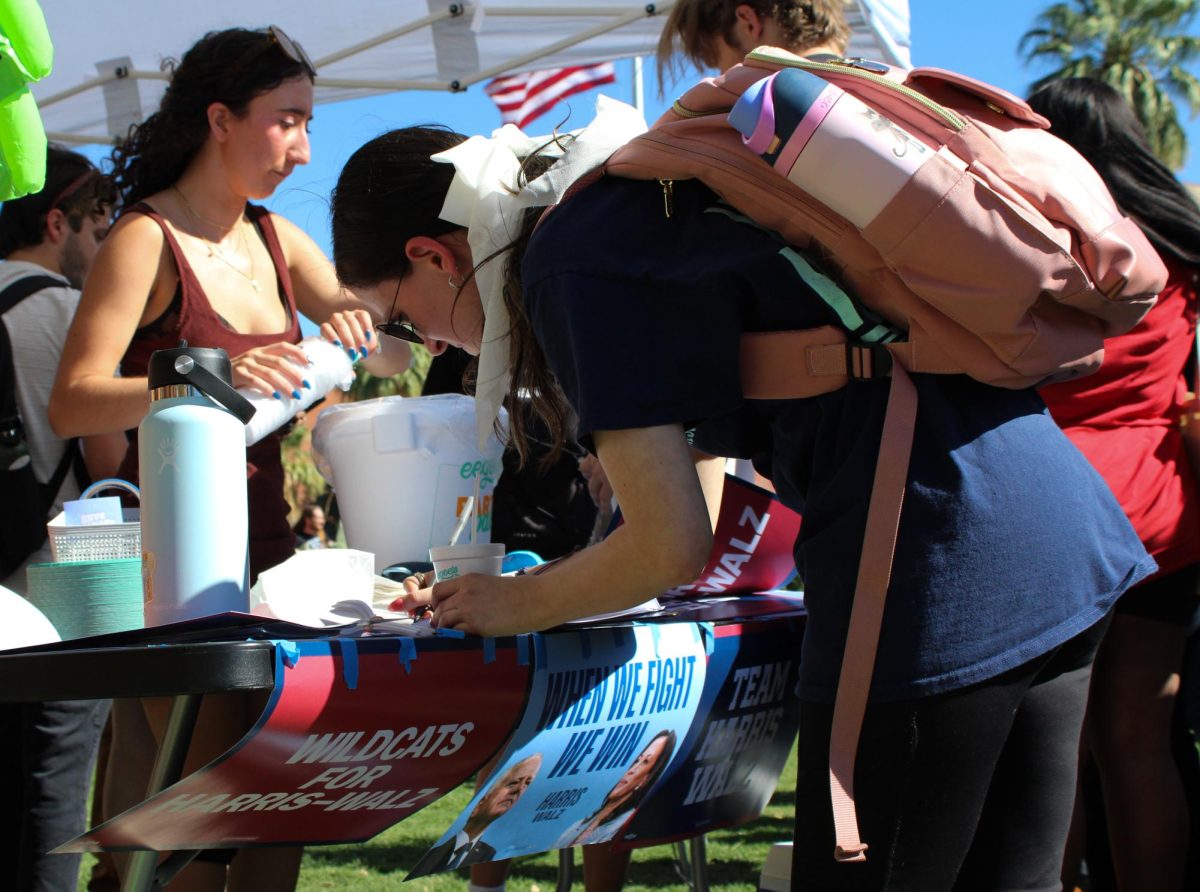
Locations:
359 733
731 760
607 710
752 544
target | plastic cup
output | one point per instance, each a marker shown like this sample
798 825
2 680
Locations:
451 561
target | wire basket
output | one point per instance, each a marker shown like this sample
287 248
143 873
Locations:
98 542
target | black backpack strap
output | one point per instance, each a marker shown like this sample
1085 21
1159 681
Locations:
22 288
9 298
54 484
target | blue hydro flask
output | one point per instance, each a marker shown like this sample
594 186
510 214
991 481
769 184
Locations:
192 468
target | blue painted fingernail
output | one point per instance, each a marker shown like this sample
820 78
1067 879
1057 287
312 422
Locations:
352 353
307 386
275 393
336 342
363 350
368 335
295 394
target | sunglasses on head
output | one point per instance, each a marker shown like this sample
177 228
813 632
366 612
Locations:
292 50
395 328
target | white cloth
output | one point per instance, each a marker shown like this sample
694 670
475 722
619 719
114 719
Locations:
486 197
37 329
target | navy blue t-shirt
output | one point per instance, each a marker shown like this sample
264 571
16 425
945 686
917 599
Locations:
1009 542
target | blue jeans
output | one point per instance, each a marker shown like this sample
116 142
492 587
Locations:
47 752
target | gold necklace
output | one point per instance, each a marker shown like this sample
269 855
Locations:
215 251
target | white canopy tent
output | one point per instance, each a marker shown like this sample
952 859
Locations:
109 54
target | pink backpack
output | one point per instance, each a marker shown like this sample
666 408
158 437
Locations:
1000 255
1004 257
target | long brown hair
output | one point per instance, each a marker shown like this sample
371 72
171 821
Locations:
231 67
391 191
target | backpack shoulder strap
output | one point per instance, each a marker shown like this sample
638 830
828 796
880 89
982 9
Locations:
24 287
9 298
71 457
866 611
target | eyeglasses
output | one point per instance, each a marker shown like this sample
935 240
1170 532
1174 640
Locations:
293 50
394 328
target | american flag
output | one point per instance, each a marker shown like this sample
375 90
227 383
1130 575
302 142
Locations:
525 97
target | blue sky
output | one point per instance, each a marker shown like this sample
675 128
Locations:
976 37
971 36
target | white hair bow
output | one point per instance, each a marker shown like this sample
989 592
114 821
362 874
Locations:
486 196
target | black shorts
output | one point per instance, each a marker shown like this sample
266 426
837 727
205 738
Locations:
1172 598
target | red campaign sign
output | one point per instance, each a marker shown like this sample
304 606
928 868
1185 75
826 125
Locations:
358 735
752 545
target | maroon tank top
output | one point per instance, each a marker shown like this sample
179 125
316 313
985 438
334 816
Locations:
192 318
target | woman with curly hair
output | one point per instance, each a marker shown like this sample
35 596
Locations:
191 258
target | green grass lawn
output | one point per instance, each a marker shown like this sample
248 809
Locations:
735 856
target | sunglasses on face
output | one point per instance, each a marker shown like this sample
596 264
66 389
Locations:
292 50
401 331
396 328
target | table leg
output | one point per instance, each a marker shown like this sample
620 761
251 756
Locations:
699 863
691 863
566 870
141 872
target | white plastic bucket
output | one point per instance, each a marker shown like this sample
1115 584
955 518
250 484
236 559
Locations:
403 470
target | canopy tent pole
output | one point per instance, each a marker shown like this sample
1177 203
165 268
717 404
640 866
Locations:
639 86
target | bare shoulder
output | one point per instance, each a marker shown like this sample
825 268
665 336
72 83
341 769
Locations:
136 231
131 262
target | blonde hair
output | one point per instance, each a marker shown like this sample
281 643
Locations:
693 25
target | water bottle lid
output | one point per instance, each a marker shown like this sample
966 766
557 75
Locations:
174 366
206 368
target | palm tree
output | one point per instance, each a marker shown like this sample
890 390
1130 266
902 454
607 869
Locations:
1134 45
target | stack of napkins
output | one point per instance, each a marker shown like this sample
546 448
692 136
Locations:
329 588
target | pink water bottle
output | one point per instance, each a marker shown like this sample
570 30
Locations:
836 148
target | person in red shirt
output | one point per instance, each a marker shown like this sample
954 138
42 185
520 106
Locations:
1125 419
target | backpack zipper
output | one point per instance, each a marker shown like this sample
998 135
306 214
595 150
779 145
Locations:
814 210
858 68
668 187
851 68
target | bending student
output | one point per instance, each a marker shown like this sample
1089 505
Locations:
1011 549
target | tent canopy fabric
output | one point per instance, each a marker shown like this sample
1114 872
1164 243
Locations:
111 56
